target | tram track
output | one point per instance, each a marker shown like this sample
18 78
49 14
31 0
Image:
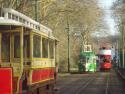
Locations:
107 85
97 83
89 84
84 85
80 84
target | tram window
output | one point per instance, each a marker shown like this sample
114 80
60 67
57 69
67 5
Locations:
17 46
9 15
35 26
20 19
51 49
45 48
36 46
16 18
24 21
1 13
26 46
13 17
27 23
31 25
5 47
38 28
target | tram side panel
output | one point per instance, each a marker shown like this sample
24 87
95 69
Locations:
42 71
6 81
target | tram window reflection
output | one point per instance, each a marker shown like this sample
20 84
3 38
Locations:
9 15
1 13
36 46
5 47
16 45
51 49
26 46
20 19
45 48
13 17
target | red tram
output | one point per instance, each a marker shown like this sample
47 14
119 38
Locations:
105 58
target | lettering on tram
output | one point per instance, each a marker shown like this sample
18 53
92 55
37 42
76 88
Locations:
29 49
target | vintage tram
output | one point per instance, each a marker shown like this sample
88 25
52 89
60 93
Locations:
87 60
105 58
28 50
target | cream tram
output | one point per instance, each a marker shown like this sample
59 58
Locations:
28 48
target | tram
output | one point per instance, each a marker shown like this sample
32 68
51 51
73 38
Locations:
88 60
28 50
105 58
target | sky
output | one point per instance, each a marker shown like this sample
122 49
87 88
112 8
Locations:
106 6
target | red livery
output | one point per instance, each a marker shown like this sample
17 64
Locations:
42 74
6 81
105 65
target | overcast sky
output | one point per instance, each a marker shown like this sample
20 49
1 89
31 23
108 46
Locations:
106 6
106 3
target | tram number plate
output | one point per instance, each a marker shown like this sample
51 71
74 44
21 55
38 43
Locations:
5 80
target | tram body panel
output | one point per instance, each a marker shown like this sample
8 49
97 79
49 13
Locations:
6 77
105 65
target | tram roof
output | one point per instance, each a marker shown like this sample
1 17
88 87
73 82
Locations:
29 23
4 21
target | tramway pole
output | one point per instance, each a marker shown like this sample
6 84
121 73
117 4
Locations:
36 10
122 45
68 32
68 35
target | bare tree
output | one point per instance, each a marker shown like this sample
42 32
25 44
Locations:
82 14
